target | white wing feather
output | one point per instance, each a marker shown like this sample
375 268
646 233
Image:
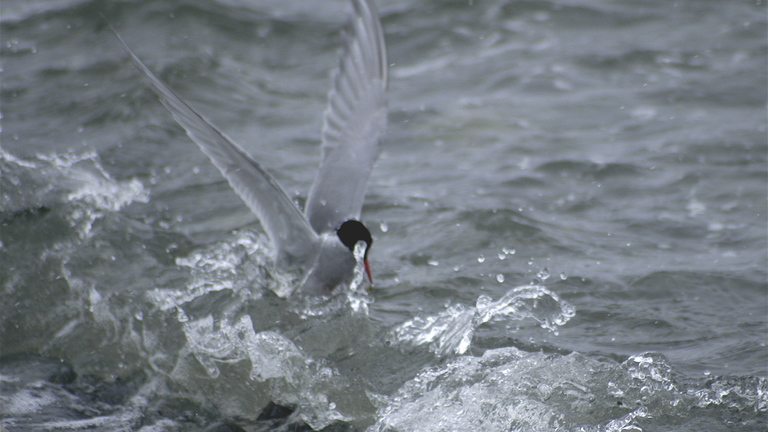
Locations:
294 240
353 124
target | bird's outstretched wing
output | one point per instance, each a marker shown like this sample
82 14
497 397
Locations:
353 124
293 238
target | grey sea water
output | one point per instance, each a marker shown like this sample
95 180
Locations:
569 218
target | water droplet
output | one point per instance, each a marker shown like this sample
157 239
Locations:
481 259
543 274
500 278
563 276
502 256
384 227
433 262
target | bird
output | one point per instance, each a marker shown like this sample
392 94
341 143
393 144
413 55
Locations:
318 243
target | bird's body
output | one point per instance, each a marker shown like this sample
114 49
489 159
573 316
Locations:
319 242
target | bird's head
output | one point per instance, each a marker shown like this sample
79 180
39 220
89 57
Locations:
350 233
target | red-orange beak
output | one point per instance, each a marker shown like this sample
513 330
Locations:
368 270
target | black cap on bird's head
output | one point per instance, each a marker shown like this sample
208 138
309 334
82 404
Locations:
353 231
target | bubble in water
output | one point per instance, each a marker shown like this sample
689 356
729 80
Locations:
384 227
481 259
500 278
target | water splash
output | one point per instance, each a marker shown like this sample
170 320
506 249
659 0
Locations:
240 266
507 389
277 366
627 422
358 294
488 393
228 321
451 331
88 189
732 393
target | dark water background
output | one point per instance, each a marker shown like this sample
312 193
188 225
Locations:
569 214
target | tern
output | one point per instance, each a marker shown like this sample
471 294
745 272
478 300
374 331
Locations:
320 242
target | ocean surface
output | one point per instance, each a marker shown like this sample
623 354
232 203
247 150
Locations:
570 217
